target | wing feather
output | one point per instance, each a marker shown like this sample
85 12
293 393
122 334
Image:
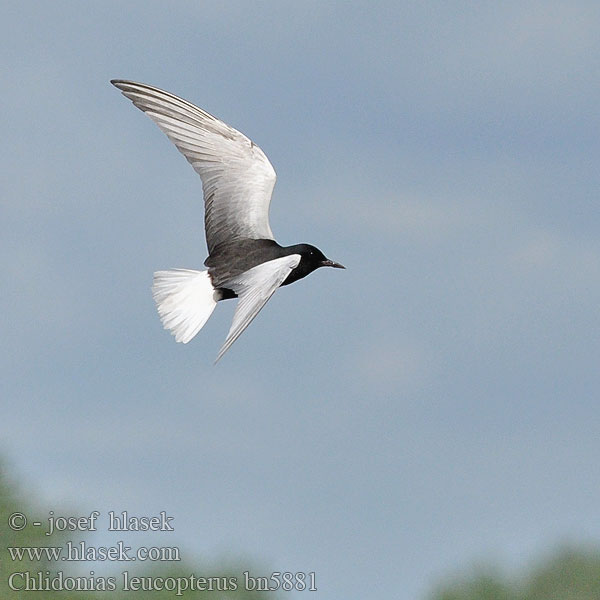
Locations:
254 288
237 177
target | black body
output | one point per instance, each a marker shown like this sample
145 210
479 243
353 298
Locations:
239 255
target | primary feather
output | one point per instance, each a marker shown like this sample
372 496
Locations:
254 288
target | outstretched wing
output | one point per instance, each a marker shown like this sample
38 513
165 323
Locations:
254 288
237 177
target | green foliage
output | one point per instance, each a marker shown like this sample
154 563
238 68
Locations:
568 574
11 501
480 586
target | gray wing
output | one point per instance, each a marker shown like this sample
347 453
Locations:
254 288
237 177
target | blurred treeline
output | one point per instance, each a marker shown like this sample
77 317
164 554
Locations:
12 499
568 574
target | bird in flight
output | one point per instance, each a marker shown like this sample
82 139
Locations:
244 260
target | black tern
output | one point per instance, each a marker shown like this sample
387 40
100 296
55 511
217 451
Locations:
244 260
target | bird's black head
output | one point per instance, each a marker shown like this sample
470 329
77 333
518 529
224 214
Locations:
311 258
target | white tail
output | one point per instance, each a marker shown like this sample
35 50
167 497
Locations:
185 299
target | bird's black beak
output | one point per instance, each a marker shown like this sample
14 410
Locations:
330 263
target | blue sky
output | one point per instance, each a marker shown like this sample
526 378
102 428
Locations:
434 404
